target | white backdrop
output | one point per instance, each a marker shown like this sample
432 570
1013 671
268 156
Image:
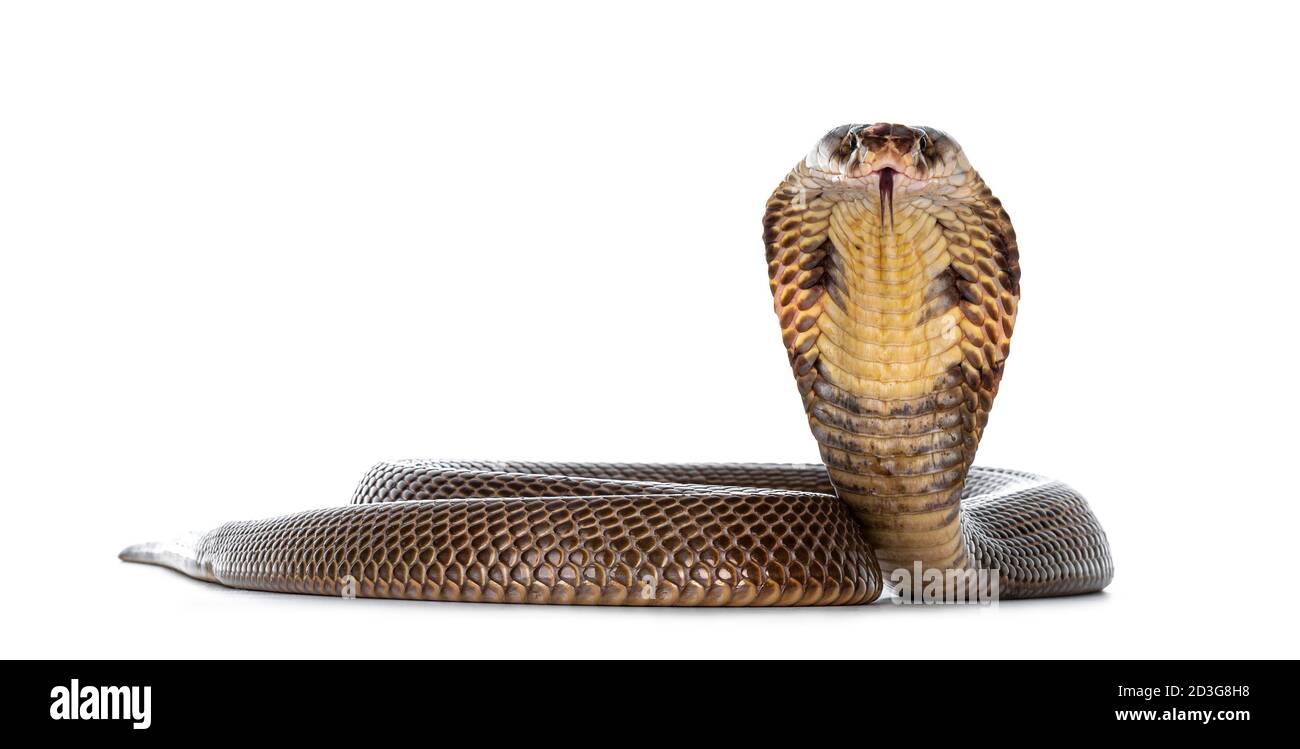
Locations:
250 248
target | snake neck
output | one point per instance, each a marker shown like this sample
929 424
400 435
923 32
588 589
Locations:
887 410
885 326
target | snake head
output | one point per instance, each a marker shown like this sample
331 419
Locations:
912 158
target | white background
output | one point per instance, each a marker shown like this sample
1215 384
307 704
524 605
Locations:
250 248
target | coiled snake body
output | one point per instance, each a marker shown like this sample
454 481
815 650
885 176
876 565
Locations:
895 276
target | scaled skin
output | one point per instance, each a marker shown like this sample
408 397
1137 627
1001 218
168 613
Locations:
896 307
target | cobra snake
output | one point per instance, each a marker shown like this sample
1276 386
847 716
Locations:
895 276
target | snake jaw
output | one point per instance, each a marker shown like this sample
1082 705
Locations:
924 160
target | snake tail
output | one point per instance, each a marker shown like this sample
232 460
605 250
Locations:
182 555
559 539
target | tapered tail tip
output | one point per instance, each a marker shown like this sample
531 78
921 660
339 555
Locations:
142 553
180 555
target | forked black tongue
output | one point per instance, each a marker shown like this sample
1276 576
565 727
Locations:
887 193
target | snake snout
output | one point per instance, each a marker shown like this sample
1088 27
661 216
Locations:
858 152
888 138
